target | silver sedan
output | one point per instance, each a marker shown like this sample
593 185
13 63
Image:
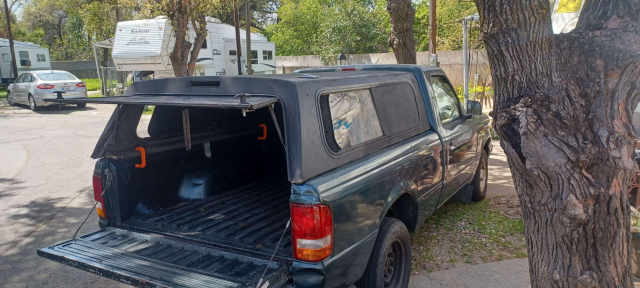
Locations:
31 88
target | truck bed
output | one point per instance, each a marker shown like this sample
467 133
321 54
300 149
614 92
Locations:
250 218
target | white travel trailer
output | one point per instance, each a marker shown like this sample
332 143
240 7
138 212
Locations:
144 45
30 57
565 14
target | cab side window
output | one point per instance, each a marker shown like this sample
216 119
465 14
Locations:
20 78
354 117
446 99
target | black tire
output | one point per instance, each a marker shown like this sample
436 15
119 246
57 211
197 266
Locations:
480 179
390 262
32 104
10 99
82 105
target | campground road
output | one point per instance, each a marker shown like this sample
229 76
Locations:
45 191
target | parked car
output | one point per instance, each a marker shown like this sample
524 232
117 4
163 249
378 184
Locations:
31 88
313 179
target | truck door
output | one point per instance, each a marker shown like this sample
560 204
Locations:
458 133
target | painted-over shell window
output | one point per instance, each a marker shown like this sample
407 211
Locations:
354 117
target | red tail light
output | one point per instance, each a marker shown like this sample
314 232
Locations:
311 232
45 86
97 195
348 69
81 84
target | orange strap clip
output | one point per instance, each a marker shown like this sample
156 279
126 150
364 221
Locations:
264 132
143 155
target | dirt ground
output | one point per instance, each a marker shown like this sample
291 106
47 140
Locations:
460 235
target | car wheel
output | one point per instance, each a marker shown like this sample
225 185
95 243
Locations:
480 179
10 99
32 104
82 105
390 262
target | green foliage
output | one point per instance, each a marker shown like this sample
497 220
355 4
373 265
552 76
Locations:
93 84
328 28
449 24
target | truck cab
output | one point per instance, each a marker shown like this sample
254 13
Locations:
312 179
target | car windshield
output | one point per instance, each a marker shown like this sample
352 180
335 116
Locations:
56 76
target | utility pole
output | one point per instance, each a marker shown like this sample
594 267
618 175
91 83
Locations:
433 33
248 27
236 20
14 66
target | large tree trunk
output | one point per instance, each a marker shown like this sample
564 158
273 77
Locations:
402 15
563 109
200 27
179 15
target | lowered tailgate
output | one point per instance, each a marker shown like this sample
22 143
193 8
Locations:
149 260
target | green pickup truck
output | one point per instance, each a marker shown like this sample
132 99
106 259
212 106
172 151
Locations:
312 179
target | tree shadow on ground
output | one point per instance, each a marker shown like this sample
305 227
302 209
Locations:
8 186
50 220
64 110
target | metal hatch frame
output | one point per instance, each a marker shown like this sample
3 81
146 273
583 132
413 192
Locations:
224 102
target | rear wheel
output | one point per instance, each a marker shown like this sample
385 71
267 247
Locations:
480 179
390 262
32 103
82 105
10 100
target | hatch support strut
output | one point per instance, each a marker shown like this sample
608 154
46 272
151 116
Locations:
275 122
186 127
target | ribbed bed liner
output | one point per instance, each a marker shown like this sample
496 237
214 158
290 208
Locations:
147 260
250 218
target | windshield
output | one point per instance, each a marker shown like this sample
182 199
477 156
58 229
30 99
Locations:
56 76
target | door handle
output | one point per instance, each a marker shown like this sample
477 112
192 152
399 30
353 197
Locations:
417 146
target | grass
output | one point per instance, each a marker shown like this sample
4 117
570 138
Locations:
93 84
467 233
148 110
3 94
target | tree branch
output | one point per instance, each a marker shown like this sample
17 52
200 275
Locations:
601 14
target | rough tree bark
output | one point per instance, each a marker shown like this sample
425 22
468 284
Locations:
199 24
181 13
563 109
402 15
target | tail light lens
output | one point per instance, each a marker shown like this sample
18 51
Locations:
81 84
97 195
45 86
311 232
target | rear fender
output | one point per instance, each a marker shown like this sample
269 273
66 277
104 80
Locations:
408 188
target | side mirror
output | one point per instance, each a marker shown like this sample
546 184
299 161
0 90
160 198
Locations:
474 107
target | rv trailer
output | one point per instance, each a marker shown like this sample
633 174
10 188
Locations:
30 57
145 45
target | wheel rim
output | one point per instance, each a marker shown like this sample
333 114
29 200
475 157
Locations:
394 265
32 103
9 98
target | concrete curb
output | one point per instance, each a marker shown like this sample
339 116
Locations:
503 274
